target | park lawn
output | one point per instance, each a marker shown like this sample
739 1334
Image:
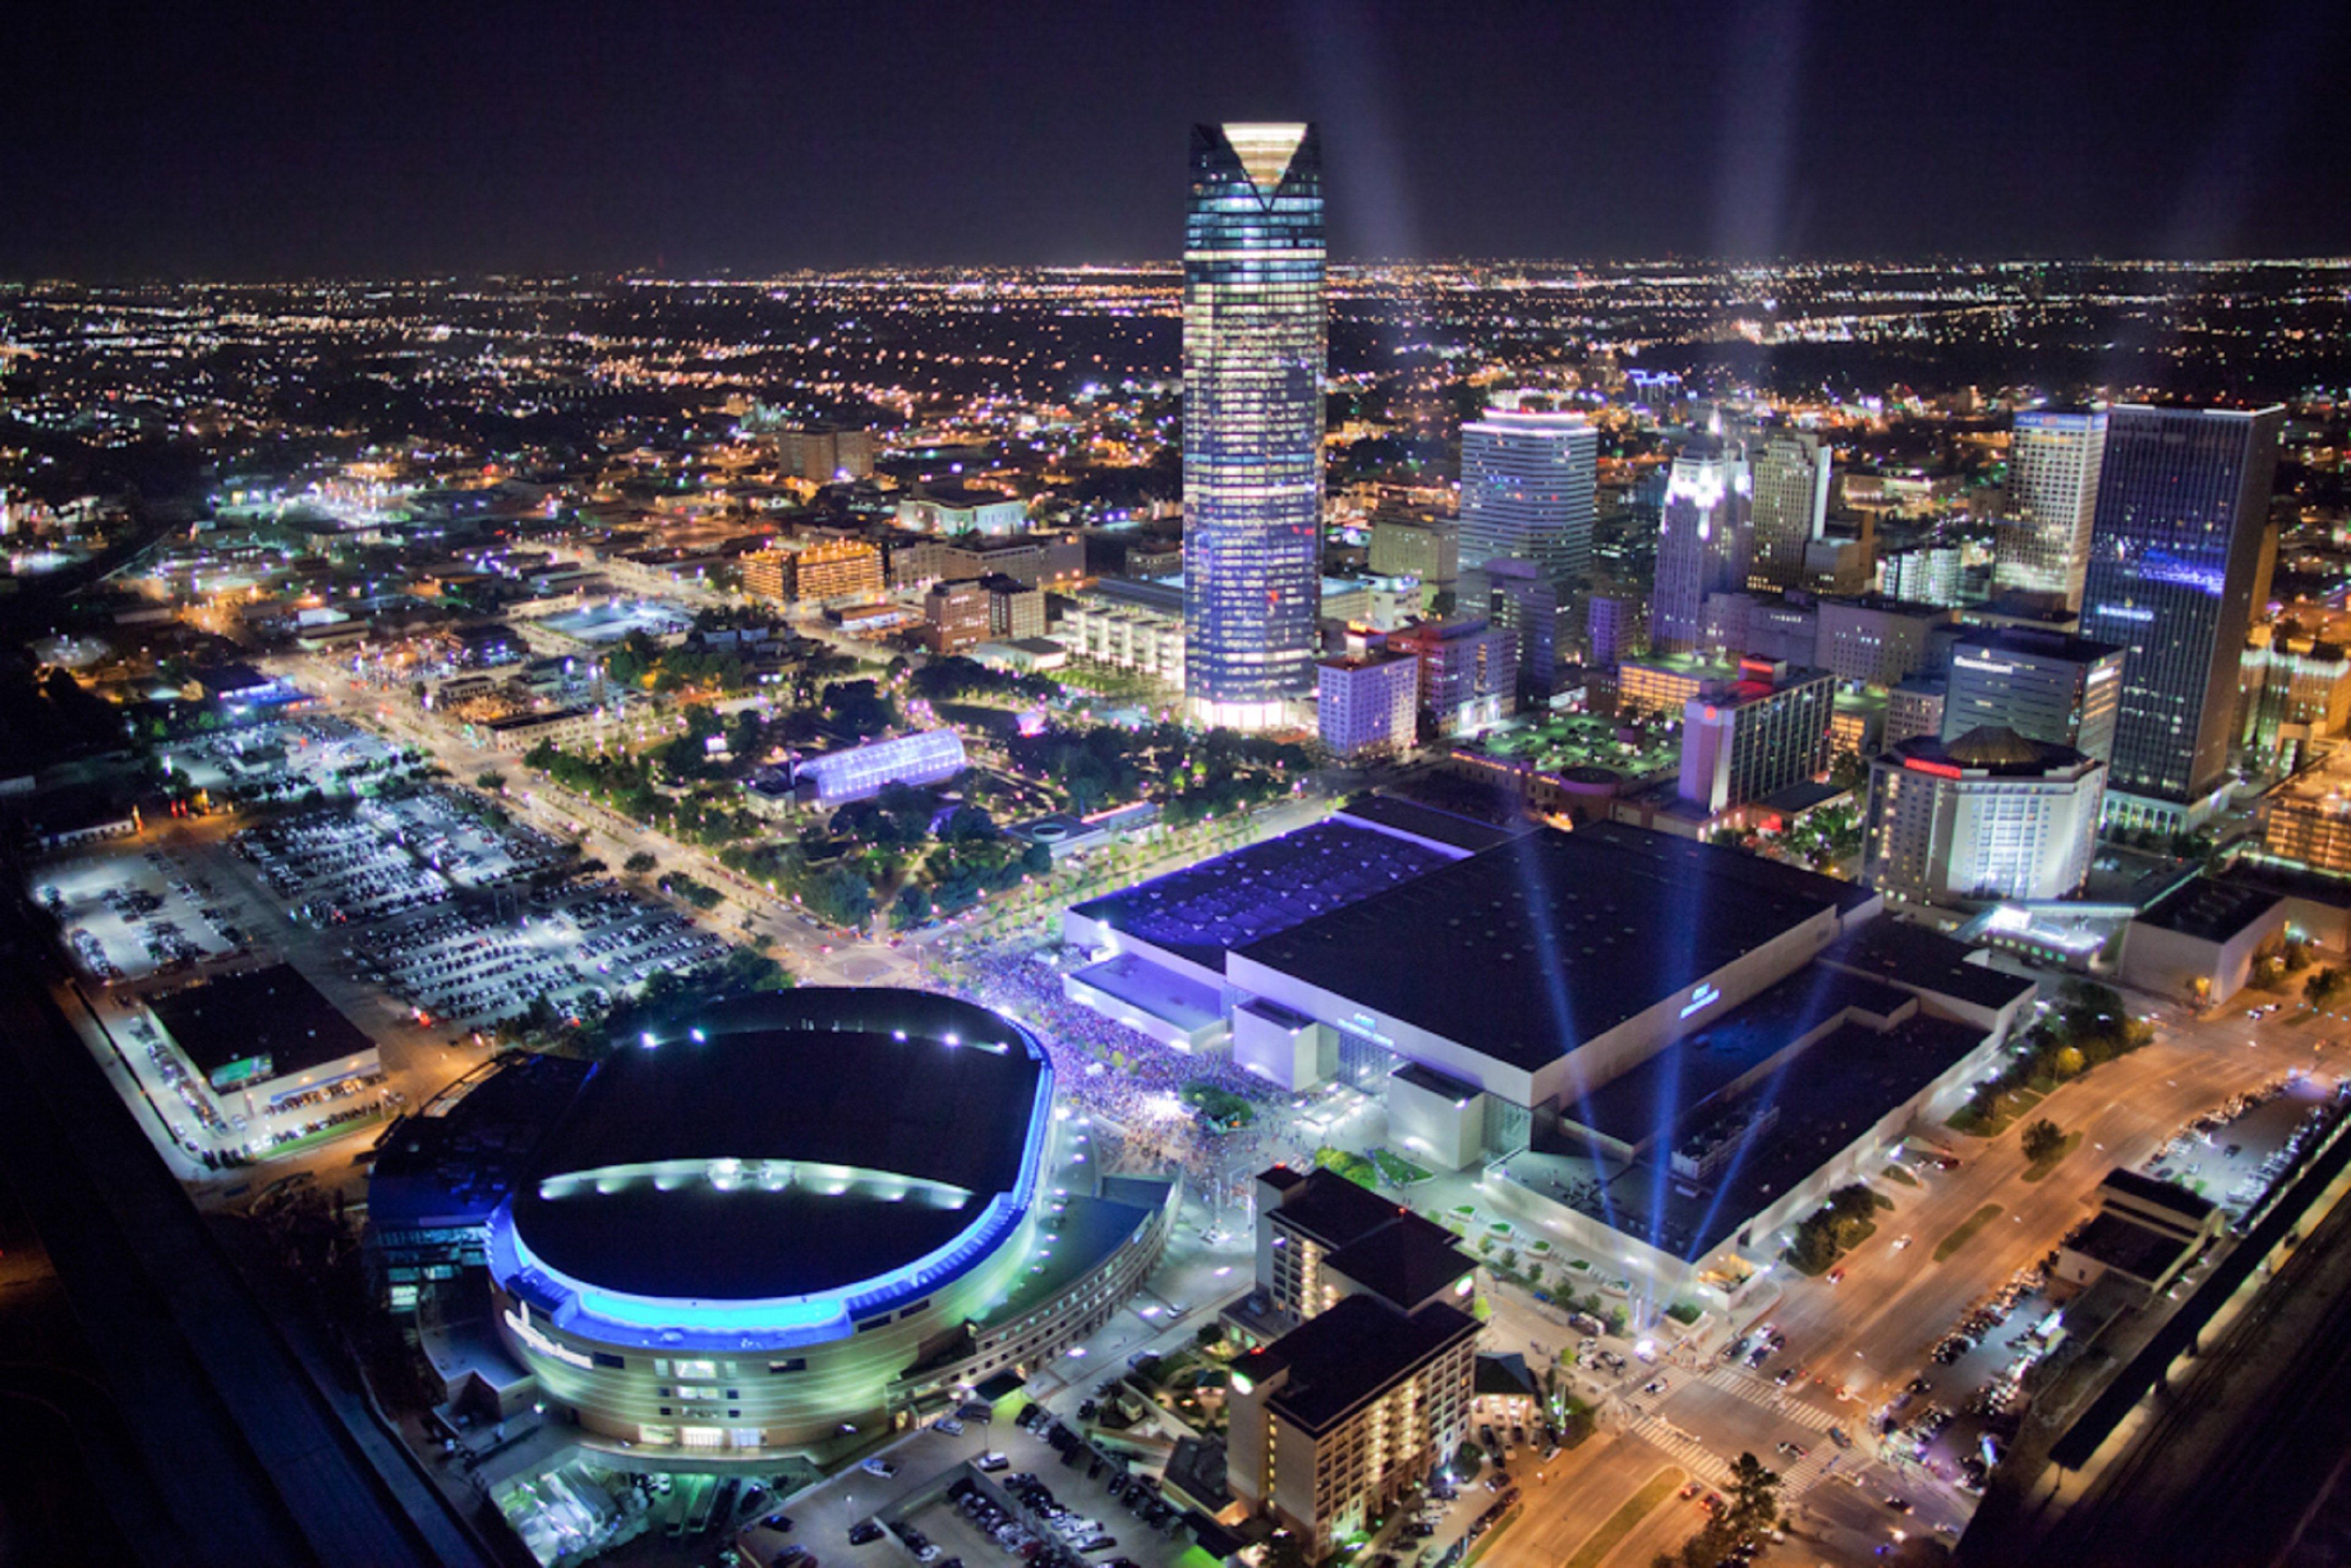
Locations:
1618 1525
1967 1230
2040 1168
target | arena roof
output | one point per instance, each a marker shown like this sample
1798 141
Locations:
1532 948
787 1147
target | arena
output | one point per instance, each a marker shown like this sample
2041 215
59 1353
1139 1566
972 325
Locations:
800 1217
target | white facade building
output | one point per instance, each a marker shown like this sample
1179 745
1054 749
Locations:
1989 815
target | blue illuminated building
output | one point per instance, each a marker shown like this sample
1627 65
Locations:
2174 549
1253 361
927 757
795 1216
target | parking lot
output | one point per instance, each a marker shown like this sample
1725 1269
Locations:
452 832
475 967
332 866
129 916
284 760
2238 1152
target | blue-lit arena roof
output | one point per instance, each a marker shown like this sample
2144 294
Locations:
778 1168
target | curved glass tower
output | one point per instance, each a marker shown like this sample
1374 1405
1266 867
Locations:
1253 360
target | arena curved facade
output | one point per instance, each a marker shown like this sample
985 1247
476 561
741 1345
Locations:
795 1217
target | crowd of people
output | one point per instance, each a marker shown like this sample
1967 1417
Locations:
1131 1082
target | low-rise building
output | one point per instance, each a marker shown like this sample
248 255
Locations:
559 728
2199 941
2145 1232
955 616
1368 707
963 509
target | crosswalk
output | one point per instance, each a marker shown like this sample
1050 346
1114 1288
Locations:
1796 1477
1767 1395
1695 1456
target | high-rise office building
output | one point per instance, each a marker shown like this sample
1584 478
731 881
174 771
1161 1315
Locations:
2044 685
2183 502
2042 546
1705 542
1530 479
1253 360
1532 605
1791 476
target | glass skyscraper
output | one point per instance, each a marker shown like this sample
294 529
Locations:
1790 474
1705 542
2042 546
1254 336
2175 546
1529 475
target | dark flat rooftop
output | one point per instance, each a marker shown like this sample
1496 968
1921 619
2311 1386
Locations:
1681 1082
2159 1193
1338 1358
852 1098
1529 949
2125 1245
272 1012
455 1160
1828 1095
1904 954
1465 833
2036 642
1406 1261
1329 1207
2208 909
1203 909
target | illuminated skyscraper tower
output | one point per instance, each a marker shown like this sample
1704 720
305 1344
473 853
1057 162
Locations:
1706 543
2042 546
1791 506
2183 498
1528 476
1253 360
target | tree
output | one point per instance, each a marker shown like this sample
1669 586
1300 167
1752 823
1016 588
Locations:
2322 987
2044 1140
1752 1506
492 780
639 863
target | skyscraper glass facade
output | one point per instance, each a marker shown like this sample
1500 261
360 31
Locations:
1791 473
2183 497
1530 477
1254 334
2042 546
1705 542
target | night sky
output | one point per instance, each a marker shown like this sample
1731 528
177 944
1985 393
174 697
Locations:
254 141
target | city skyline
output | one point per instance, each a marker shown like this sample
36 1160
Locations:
297 146
678 891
